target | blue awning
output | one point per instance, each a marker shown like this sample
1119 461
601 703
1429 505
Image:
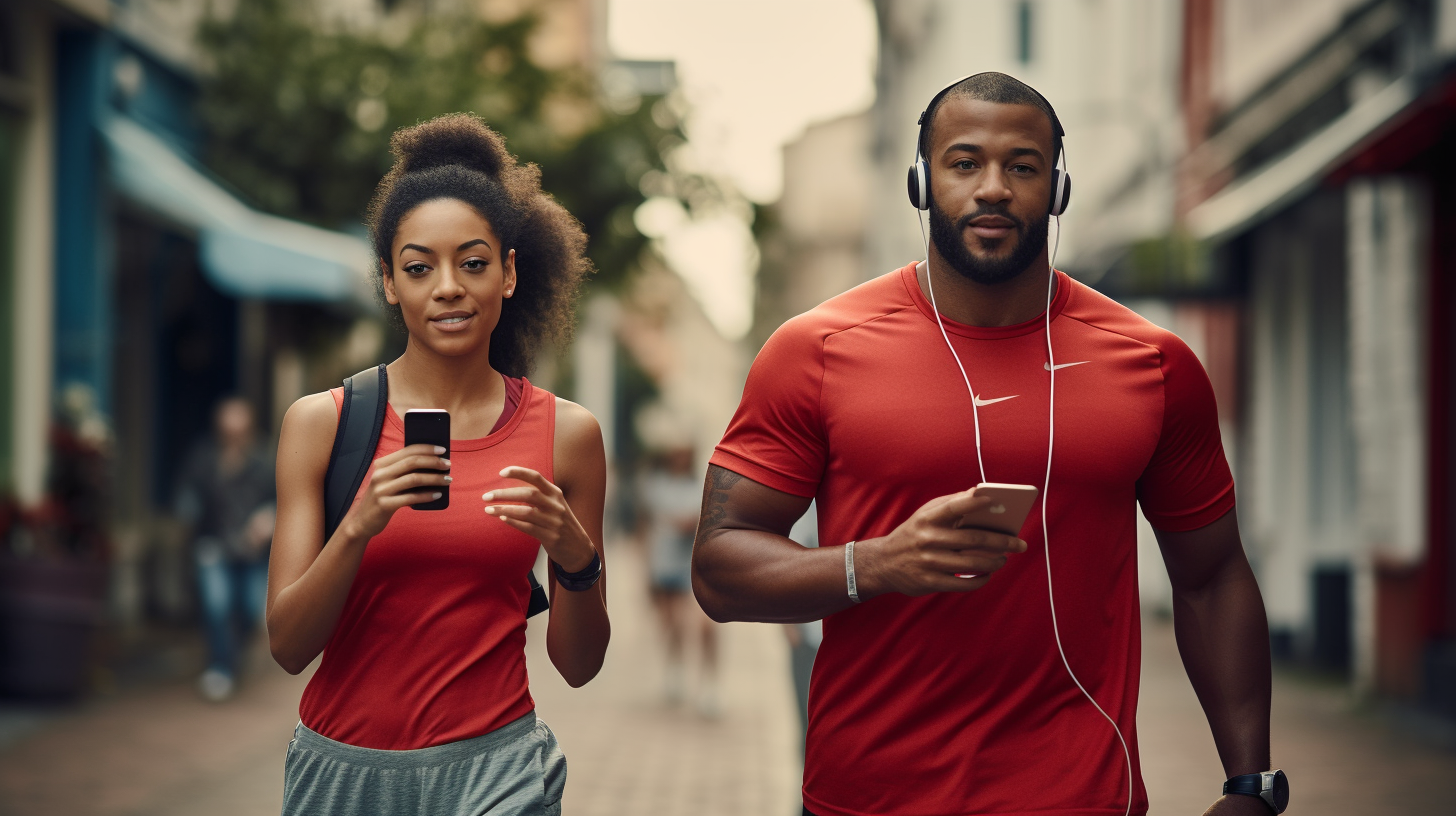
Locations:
245 253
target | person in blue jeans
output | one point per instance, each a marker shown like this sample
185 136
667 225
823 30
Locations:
226 496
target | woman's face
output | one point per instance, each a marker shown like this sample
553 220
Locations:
447 274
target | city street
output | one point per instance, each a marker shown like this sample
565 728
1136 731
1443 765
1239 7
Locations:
160 751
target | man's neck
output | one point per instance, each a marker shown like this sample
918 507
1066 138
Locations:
976 304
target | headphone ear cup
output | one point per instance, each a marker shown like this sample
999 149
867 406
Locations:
917 183
1061 191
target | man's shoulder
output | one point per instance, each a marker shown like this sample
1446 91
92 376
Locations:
872 299
1092 308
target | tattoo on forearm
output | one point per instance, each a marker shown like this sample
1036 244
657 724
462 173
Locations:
715 496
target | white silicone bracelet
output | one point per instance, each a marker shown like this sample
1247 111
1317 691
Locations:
849 571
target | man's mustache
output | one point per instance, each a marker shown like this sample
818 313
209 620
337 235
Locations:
1001 212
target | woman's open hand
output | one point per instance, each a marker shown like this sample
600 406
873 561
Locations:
540 510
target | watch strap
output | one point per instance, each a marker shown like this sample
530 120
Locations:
579 581
1249 785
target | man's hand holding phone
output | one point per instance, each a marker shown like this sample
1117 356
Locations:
933 549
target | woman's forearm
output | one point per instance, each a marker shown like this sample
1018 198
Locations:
304 614
577 633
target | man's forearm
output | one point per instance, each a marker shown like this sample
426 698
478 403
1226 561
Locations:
1223 637
752 575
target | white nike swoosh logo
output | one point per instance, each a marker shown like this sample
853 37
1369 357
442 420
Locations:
1060 366
982 403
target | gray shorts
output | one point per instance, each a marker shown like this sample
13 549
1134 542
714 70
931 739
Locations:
515 769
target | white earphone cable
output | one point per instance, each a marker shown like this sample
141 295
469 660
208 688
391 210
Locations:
1051 436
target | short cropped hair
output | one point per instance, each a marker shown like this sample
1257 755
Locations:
1000 89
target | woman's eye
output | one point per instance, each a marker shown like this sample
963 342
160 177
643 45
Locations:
475 264
416 269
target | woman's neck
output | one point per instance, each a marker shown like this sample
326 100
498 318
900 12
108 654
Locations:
419 378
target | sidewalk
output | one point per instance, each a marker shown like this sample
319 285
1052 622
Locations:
160 751
1341 761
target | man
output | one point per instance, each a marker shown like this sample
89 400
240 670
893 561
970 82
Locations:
226 497
943 694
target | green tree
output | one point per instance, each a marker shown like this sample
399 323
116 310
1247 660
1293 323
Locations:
299 112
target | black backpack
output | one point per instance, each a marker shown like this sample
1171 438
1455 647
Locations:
366 395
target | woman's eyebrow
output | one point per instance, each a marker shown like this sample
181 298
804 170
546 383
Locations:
469 244
417 248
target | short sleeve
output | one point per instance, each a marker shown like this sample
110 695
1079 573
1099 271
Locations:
1187 484
776 437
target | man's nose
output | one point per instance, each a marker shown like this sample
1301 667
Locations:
993 188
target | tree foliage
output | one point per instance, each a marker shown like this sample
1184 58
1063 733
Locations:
299 111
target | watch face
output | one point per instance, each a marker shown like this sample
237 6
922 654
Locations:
1281 791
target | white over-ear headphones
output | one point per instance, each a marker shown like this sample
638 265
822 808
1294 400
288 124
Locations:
919 189
918 180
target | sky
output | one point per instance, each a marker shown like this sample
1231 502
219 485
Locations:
754 74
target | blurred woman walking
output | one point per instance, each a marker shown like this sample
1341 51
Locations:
420 703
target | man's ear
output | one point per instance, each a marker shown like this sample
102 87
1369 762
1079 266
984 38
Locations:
509 272
388 274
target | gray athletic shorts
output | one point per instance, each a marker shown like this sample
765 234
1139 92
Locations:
515 769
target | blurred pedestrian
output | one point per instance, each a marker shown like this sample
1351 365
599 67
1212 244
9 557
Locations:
225 496
671 495
965 670
420 703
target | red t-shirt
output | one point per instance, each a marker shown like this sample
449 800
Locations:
430 646
959 703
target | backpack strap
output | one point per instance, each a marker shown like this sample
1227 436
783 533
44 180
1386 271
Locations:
366 397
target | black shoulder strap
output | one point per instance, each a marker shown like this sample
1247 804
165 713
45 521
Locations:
366 396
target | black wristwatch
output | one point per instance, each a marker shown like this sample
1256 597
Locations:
1271 786
579 581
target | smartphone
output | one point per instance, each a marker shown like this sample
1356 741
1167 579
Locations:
429 426
1013 504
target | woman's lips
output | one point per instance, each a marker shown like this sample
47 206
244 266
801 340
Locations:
452 323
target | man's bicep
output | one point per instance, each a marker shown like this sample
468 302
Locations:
1194 558
735 502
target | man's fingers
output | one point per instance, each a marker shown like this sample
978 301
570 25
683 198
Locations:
971 538
952 507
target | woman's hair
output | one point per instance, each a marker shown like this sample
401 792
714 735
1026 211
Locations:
459 157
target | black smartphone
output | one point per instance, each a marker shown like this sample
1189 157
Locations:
429 426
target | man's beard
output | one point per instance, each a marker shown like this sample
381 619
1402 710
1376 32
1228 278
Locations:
950 240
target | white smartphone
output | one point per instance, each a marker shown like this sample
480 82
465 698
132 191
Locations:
1007 514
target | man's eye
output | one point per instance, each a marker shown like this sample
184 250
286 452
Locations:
966 164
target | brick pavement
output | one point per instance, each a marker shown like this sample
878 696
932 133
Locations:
161 751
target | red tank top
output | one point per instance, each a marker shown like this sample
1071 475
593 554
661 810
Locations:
430 646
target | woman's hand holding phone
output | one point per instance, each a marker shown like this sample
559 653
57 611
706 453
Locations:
395 483
540 510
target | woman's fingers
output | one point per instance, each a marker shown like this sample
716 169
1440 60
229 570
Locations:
530 477
528 495
407 464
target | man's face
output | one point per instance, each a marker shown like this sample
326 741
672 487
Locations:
990 184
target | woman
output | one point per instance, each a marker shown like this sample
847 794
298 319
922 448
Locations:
420 704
